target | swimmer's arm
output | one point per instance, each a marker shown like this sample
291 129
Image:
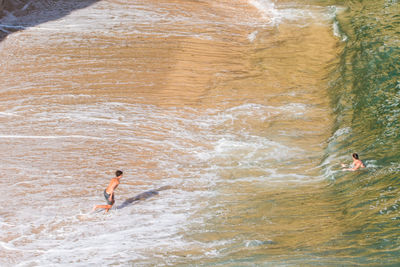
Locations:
357 166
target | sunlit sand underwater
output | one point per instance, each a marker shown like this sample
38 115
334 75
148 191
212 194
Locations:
225 104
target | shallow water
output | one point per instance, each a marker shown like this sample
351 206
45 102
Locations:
227 103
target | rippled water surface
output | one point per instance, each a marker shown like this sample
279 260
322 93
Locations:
226 103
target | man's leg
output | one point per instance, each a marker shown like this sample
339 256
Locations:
109 207
106 207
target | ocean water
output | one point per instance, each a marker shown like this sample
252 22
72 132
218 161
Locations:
242 111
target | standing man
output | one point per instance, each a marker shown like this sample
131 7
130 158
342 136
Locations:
357 163
109 192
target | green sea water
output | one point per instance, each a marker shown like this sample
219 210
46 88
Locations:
365 93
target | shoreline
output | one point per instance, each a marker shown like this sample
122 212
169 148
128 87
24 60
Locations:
47 10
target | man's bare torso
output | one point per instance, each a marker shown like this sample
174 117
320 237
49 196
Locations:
112 185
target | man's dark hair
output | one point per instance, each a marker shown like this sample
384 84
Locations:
355 155
118 173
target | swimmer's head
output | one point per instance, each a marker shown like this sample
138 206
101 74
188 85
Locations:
118 173
355 155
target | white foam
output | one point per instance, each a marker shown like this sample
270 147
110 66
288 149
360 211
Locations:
49 137
7 114
339 133
371 163
338 33
267 9
335 10
290 12
254 149
252 36
256 243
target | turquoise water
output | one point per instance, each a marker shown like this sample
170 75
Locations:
365 93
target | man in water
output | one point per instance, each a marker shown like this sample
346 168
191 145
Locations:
109 192
357 163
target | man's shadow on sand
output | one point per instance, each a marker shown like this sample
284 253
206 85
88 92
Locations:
17 15
142 196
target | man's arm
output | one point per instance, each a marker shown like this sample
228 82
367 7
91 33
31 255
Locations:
113 186
356 166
